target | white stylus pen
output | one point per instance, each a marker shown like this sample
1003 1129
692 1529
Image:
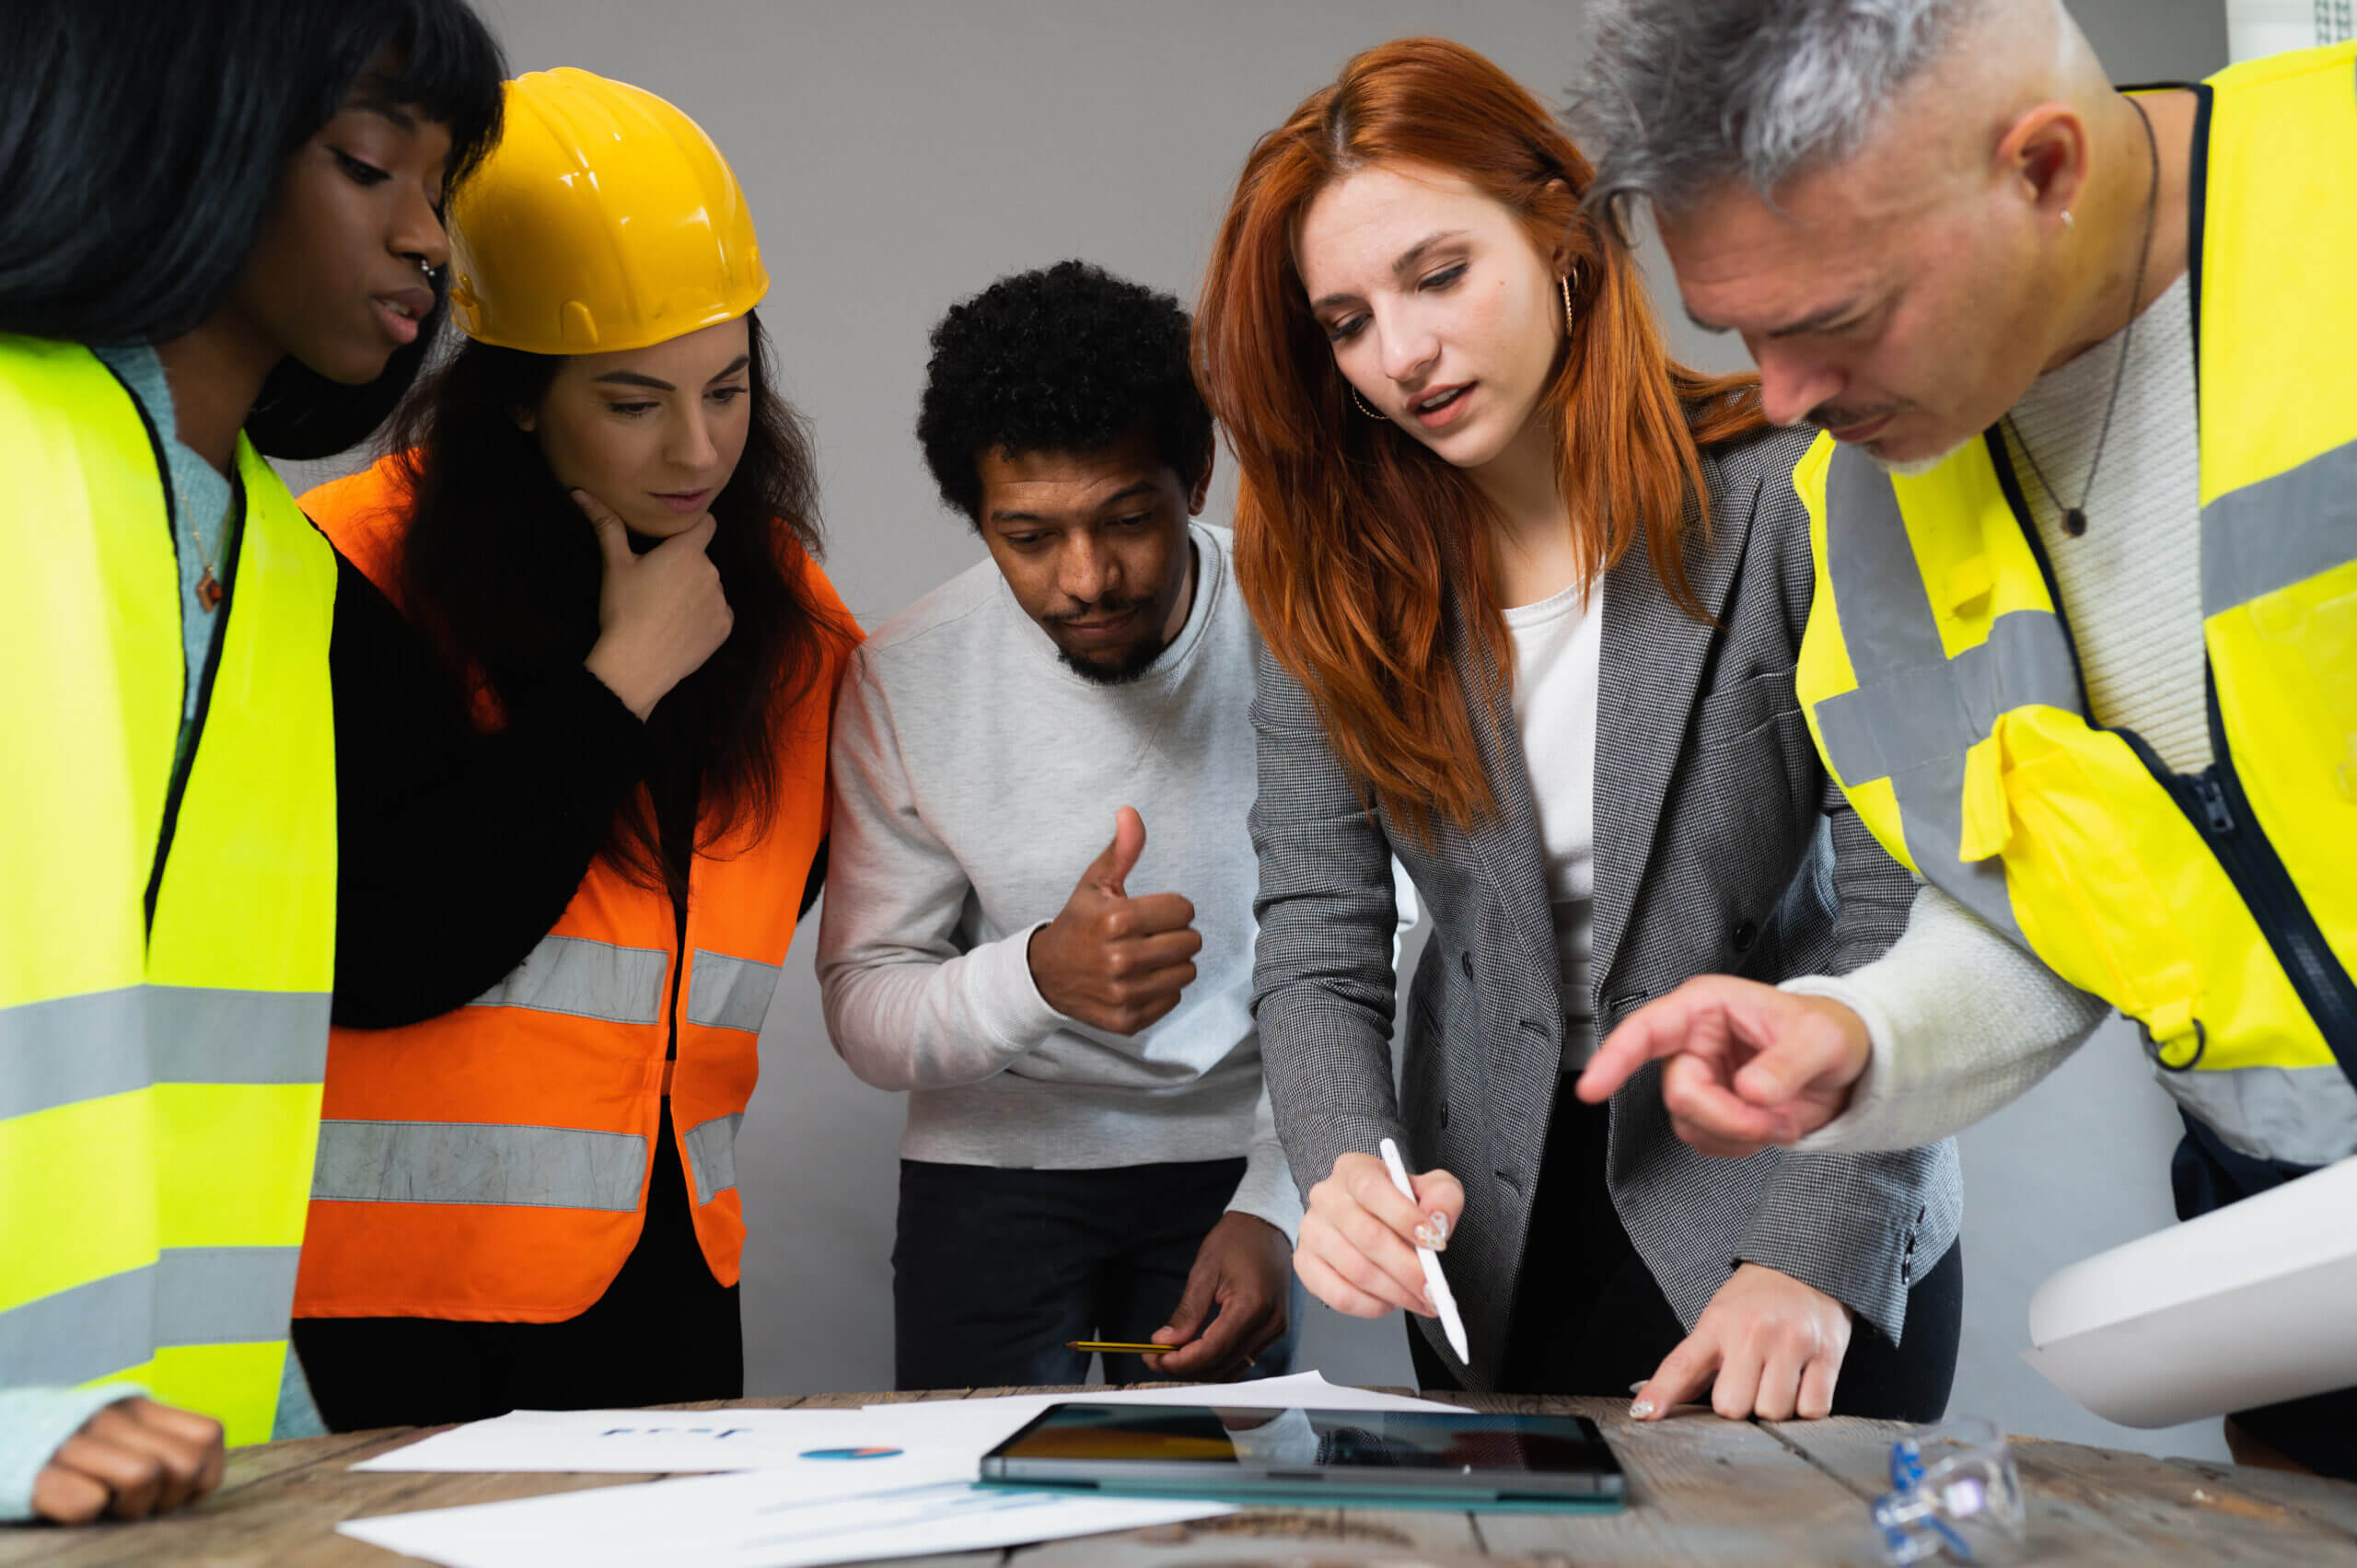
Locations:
1435 1282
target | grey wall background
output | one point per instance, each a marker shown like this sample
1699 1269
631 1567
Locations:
902 154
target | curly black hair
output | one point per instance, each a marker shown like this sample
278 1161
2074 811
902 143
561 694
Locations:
1069 358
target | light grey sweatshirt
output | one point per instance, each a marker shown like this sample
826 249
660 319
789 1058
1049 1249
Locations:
976 777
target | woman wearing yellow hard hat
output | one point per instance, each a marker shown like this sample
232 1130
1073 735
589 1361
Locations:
577 849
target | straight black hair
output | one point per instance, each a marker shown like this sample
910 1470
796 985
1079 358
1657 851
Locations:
142 144
502 571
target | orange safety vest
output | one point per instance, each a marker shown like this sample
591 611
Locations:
491 1163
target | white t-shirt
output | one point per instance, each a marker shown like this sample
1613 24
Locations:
1558 652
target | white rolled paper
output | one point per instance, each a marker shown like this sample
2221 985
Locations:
2249 1306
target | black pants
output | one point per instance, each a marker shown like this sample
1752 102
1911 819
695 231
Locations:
2320 1430
1589 1318
995 1270
665 1331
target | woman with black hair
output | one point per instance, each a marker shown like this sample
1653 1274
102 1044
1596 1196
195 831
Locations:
222 242
569 887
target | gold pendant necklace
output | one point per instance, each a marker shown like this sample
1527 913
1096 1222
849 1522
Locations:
209 591
2074 518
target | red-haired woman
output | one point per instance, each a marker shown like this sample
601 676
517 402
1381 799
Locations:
1531 594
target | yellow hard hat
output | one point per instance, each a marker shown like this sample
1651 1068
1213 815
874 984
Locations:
604 219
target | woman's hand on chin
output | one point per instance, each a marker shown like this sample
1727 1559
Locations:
659 615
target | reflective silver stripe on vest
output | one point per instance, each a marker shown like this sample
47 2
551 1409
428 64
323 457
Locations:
2279 531
711 1148
1913 716
2303 1115
191 1295
474 1162
587 980
1934 714
730 993
71 1049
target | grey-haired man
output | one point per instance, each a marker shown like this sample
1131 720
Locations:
2084 650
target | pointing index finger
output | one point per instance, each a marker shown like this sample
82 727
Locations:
1655 1030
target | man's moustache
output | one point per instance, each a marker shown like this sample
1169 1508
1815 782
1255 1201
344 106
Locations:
1091 612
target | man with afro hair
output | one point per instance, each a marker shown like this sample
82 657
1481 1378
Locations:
1089 1151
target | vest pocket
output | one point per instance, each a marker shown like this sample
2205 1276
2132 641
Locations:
2086 901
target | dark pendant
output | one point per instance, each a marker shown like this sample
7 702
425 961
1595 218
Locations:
208 592
2074 522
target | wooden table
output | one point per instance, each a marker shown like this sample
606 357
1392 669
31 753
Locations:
1702 1491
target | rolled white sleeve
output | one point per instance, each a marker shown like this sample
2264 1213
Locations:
1268 1190
34 1424
1963 1022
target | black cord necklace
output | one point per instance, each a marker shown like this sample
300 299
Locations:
2074 518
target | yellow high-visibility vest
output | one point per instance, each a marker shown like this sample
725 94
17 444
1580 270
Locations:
166 953
2217 909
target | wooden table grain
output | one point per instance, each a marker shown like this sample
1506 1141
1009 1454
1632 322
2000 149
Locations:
1702 1491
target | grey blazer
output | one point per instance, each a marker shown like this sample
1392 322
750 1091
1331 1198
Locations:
1711 854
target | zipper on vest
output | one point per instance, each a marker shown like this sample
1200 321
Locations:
2211 796
2213 801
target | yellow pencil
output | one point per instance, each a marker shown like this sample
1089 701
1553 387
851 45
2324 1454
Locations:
1108 1348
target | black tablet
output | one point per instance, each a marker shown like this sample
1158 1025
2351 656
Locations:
1394 1458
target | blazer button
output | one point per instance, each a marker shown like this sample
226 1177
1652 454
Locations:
1746 934
1465 962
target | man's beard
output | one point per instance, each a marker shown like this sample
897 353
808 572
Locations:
1830 419
1916 467
1130 666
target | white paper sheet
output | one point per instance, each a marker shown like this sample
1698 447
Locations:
2249 1305
832 1442
738 1521
981 1423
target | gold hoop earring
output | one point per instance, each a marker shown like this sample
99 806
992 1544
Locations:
1570 322
1362 402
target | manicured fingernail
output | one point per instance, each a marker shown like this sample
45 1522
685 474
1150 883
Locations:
1433 1231
1641 1410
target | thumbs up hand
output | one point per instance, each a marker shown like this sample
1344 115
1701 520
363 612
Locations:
1115 962
660 615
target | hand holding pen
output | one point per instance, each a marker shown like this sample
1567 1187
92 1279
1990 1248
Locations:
1359 1237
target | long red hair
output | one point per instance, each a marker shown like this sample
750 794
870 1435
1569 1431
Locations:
1348 531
